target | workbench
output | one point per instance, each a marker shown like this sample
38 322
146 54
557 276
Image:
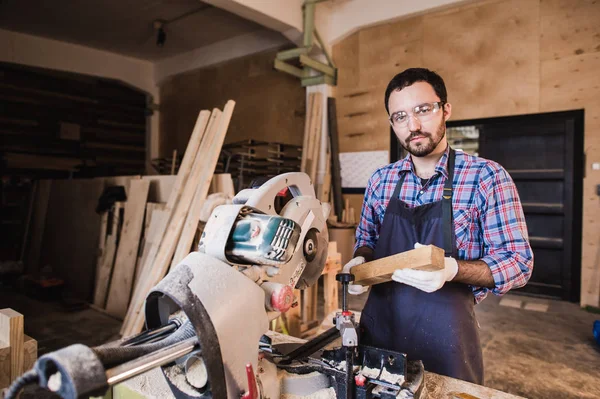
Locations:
152 384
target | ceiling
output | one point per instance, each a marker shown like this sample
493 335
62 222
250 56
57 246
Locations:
126 26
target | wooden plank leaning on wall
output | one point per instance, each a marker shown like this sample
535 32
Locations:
202 170
182 177
124 268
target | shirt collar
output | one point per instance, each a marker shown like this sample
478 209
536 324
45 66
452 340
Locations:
406 164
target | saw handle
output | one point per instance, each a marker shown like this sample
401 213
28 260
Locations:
263 197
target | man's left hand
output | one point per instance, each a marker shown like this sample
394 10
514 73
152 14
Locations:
428 281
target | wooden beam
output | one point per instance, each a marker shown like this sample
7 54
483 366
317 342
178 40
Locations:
292 70
11 332
203 169
124 269
314 143
428 258
139 295
318 80
30 352
4 365
216 136
156 222
291 53
105 269
316 65
307 124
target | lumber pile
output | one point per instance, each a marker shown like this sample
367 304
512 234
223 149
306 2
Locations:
124 231
18 352
175 229
311 144
103 250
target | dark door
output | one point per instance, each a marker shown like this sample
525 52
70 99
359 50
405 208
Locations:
543 153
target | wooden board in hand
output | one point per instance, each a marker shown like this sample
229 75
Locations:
429 258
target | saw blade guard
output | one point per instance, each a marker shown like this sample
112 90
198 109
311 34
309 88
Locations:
279 226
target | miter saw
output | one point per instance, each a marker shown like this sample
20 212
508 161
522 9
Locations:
207 319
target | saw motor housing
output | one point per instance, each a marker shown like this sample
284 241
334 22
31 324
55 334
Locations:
278 249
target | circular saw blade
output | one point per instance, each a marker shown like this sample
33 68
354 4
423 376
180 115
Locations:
315 267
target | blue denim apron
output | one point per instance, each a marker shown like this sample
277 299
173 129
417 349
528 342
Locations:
438 328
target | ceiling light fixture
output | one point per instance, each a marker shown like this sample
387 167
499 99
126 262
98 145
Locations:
161 35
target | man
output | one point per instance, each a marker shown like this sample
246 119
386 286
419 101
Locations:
465 204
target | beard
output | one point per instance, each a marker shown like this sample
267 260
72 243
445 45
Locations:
426 146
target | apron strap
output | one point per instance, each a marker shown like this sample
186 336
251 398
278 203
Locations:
396 193
447 214
447 207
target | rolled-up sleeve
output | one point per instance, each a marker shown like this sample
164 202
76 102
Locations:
507 251
367 231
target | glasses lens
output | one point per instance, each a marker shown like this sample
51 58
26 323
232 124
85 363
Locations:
422 112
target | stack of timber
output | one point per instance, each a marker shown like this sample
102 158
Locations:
69 238
176 229
312 135
328 186
106 250
58 124
18 352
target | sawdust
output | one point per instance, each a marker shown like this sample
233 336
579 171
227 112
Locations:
151 385
385 375
176 374
327 393
302 385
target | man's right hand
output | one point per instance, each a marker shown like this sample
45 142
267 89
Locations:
354 289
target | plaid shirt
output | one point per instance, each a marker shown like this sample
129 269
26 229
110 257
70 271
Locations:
488 217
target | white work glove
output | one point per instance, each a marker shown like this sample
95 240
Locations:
354 289
428 281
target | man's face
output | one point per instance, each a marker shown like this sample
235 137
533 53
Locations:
420 137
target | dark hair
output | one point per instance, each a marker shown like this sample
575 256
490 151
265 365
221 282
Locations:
412 75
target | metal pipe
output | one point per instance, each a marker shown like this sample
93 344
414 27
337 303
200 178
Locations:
142 364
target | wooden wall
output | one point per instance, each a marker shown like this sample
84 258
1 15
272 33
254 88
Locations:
498 58
270 105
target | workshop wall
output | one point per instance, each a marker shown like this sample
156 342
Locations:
498 58
270 105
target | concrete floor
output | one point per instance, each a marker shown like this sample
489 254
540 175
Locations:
529 353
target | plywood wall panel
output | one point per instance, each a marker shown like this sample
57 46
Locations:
345 57
385 49
358 100
367 132
569 28
488 56
270 105
570 83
